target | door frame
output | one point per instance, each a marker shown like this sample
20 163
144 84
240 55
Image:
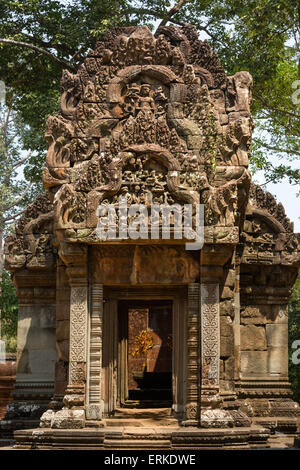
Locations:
112 375
123 340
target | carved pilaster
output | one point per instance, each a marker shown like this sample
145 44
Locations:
94 396
78 338
73 415
76 259
210 339
192 374
212 414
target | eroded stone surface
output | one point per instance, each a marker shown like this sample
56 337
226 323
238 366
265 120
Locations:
156 120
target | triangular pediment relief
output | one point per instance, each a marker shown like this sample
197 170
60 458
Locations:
155 119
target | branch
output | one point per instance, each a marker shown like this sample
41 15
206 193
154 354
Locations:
288 127
274 108
51 44
272 180
4 129
61 62
157 14
80 50
13 217
18 200
20 162
9 170
175 9
143 11
277 149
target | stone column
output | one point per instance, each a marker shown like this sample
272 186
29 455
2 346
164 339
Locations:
193 364
78 351
73 414
210 355
211 413
94 407
210 343
62 335
263 384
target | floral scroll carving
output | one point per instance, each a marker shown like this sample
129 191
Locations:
210 334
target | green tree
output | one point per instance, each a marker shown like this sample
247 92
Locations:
38 38
9 312
15 191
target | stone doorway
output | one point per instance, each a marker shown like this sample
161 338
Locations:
118 300
145 353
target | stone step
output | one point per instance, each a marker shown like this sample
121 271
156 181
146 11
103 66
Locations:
142 422
147 404
122 422
6 443
136 444
142 438
154 413
141 417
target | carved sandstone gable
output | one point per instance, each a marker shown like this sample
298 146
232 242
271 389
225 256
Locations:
154 119
31 246
268 234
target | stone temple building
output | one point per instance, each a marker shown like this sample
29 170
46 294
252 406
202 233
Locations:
142 342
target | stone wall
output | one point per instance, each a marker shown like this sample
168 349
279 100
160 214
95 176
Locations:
7 382
264 341
36 354
227 346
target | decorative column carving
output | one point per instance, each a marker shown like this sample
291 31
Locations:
78 339
210 340
63 298
212 414
94 406
73 415
192 374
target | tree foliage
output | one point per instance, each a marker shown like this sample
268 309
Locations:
15 191
262 36
15 194
9 312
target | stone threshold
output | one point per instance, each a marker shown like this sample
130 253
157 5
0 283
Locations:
141 417
176 438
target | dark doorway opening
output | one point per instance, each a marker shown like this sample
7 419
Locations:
145 353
